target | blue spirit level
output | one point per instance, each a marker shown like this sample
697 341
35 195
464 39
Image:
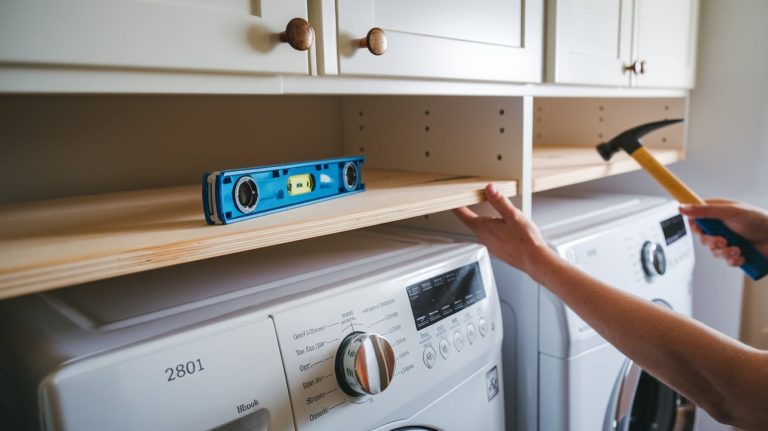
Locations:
241 194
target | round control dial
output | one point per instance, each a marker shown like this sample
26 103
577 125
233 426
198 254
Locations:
365 364
653 258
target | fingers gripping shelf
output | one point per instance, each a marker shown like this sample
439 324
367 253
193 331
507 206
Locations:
56 243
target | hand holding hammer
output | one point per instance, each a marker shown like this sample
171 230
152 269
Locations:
755 264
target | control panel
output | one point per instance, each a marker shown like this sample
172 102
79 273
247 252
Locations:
360 356
645 251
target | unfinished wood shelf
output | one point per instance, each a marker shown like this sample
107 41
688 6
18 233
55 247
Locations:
558 166
57 243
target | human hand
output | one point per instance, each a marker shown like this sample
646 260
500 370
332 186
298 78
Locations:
749 222
512 237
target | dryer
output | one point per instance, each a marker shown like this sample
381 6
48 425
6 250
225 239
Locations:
559 373
367 330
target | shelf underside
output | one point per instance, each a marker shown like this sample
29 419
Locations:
23 78
559 166
52 244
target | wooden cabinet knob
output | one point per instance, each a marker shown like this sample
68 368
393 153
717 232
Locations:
375 41
299 34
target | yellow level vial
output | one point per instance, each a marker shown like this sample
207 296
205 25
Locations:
299 184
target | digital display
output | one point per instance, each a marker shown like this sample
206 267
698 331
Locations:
434 299
674 228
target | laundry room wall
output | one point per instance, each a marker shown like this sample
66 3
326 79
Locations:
727 154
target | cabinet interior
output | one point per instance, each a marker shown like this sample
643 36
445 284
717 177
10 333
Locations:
566 131
111 185
108 185
477 136
67 146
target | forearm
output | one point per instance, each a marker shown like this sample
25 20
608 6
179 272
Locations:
709 368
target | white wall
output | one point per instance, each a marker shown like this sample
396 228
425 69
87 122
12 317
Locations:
727 144
729 114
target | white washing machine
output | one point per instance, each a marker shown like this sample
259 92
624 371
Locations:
357 331
559 373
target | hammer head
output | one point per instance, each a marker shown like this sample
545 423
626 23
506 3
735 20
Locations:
629 140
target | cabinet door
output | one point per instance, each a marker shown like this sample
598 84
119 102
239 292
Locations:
487 40
204 35
665 42
589 41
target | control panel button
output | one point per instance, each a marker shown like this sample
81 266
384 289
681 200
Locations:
429 356
445 348
458 341
471 333
483 327
365 364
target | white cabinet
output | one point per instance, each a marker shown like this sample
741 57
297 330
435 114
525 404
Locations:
664 42
154 45
643 43
589 41
499 40
201 35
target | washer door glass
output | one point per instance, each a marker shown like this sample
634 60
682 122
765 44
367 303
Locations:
640 402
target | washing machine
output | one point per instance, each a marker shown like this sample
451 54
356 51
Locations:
559 373
366 330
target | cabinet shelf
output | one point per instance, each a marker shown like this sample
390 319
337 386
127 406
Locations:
559 166
51 244
23 79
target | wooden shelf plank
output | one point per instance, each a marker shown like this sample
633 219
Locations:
57 243
558 166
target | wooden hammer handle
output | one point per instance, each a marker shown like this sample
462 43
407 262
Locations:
674 185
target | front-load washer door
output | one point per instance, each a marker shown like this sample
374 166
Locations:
640 402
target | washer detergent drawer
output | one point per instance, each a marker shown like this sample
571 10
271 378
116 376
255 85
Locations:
226 376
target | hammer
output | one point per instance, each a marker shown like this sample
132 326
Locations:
755 264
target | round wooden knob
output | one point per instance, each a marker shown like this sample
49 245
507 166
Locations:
299 34
375 41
